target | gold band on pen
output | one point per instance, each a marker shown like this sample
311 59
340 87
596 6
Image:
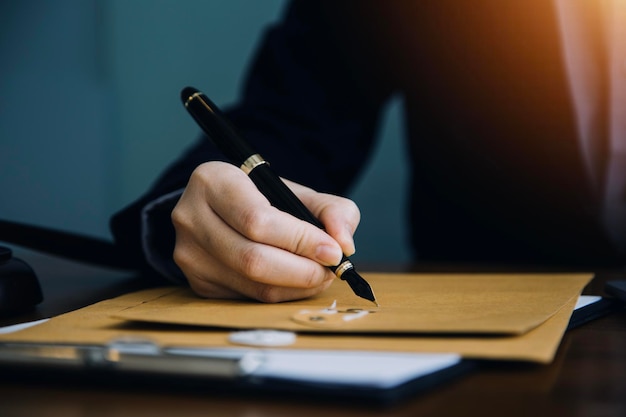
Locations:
252 162
343 267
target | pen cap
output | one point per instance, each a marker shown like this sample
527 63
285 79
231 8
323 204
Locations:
210 118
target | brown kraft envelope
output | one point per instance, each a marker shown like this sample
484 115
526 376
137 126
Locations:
545 301
409 303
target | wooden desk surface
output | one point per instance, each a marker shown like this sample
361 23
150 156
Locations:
587 378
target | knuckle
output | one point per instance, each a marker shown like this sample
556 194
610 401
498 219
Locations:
183 215
201 173
254 223
253 263
182 257
309 277
300 241
353 209
179 218
268 294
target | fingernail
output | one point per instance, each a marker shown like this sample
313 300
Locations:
328 255
350 249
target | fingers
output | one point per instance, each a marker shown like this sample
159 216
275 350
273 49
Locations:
240 205
231 243
340 216
208 277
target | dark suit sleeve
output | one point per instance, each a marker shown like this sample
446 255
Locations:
310 105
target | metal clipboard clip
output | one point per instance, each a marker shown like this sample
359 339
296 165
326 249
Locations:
135 355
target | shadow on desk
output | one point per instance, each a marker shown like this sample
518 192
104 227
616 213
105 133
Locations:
69 285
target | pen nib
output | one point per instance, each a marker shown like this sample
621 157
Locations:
359 285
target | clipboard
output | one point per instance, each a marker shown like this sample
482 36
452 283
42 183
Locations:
336 374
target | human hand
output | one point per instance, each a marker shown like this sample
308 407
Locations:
231 243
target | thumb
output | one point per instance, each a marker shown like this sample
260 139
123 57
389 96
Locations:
340 216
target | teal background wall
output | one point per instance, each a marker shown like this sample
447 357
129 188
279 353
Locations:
90 110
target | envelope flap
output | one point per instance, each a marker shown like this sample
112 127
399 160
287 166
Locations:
409 303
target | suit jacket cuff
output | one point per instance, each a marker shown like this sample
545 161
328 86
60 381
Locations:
158 236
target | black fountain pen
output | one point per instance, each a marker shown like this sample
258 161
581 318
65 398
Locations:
238 151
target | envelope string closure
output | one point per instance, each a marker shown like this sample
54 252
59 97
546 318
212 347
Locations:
330 316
